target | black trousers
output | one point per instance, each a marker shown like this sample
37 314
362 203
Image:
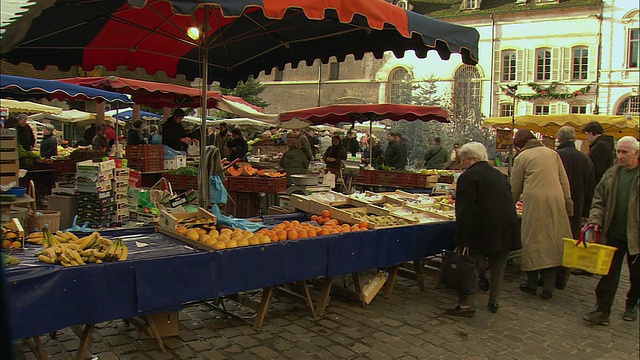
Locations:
497 262
608 284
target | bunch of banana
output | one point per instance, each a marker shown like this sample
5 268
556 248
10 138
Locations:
65 254
117 251
60 236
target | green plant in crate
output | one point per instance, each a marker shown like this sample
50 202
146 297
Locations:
186 171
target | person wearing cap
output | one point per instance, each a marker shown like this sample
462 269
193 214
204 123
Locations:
396 154
49 144
436 157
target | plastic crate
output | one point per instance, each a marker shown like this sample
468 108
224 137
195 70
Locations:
182 182
64 166
144 151
270 185
594 258
241 183
145 165
364 177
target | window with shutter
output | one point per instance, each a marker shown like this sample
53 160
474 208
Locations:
543 64
566 64
529 108
579 63
334 70
509 65
497 66
578 109
506 109
531 66
542 109
555 64
633 48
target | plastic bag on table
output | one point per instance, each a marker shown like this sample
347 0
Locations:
170 153
242 224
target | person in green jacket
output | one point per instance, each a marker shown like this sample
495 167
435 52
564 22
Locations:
436 156
294 161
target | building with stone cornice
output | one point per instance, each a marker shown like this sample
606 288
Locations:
521 41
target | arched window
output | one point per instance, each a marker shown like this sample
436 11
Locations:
399 90
630 106
543 64
466 92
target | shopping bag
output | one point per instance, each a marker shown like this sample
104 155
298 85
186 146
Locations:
587 254
458 271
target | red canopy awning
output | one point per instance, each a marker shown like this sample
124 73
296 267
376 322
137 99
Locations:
341 113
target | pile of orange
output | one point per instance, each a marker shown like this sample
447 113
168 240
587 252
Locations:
296 230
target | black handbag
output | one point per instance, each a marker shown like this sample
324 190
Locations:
458 272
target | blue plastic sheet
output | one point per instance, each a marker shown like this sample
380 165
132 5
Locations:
217 192
170 153
168 272
243 224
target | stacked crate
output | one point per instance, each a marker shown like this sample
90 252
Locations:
94 190
120 188
145 158
9 165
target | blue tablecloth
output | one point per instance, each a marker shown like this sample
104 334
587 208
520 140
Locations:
43 298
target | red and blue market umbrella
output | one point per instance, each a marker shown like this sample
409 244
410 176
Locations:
242 37
23 88
225 40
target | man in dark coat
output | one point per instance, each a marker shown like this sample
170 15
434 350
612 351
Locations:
395 155
600 148
90 133
487 222
25 133
436 156
134 135
238 146
582 182
350 143
173 133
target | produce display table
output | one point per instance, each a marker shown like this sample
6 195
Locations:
167 273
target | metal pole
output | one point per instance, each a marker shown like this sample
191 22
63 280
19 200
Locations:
203 166
513 125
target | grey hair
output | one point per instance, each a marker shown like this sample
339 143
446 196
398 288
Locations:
566 133
473 150
22 116
633 143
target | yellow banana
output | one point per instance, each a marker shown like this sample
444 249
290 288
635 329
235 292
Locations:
45 259
124 253
36 235
62 235
87 252
72 254
99 254
65 263
73 263
98 261
72 236
91 259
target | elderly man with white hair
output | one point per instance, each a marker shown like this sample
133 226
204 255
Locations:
615 210
487 222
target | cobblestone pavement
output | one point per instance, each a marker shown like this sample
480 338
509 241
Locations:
409 325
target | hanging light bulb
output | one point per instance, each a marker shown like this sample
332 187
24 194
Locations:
194 33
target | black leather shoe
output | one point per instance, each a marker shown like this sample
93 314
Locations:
458 311
493 307
546 295
560 286
528 290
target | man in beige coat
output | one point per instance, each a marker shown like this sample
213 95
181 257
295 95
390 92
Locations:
539 176
615 209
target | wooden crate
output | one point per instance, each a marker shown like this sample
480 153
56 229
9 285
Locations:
175 235
171 221
9 164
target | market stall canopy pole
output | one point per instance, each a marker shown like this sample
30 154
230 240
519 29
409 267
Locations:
614 125
28 107
23 88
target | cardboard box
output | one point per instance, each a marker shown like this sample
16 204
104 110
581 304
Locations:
89 165
142 216
183 199
93 188
171 221
121 173
166 324
120 186
93 176
175 163
90 201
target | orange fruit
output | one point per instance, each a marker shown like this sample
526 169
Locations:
314 217
326 213
16 245
181 230
323 232
273 237
282 235
295 223
292 235
311 233
363 225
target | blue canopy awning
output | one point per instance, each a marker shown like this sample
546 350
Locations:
127 114
23 88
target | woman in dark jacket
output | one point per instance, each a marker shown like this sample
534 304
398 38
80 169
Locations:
334 155
294 161
487 222
238 146
134 136
49 144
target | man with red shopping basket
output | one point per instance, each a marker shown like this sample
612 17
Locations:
614 210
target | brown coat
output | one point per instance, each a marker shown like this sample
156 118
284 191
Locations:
538 174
